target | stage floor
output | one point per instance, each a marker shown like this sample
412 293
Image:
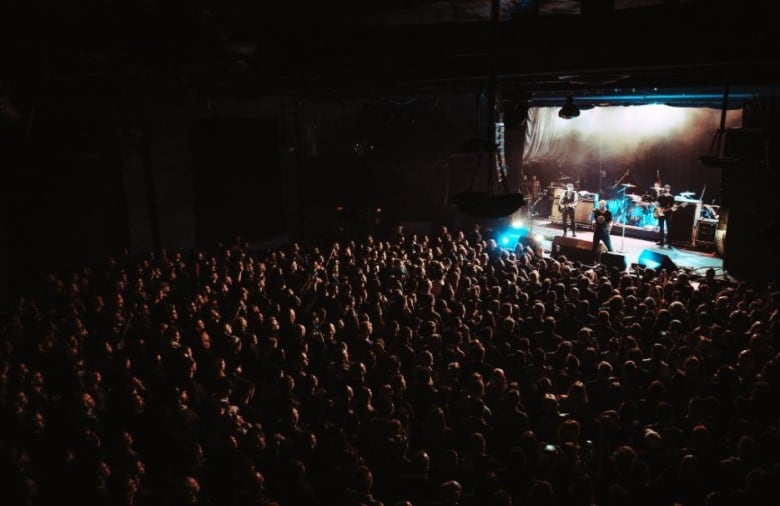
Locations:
631 247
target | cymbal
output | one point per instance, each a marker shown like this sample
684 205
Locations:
686 194
628 185
634 196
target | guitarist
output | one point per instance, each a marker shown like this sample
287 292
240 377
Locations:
566 204
665 206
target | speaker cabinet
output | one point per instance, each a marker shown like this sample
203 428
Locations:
705 231
582 212
572 249
555 211
681 225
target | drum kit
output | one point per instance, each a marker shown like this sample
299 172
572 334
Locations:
639 210
633 209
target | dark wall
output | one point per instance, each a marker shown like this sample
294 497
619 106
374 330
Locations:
239 188
65 199
346 180
752 220
10 140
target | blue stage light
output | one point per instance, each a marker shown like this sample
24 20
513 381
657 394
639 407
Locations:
510 237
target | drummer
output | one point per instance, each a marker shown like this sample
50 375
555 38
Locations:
655 191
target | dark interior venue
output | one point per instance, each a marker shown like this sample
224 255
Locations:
395 252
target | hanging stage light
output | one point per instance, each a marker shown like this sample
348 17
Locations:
569 110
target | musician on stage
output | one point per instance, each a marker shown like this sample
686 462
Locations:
535 187
525 187
665 206
532 190
567 203
601 218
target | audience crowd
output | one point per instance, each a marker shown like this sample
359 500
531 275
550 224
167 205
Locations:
404 371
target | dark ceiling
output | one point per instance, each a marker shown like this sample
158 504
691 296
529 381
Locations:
615 51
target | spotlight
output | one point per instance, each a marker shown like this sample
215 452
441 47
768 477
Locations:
517 223
569 110
512 236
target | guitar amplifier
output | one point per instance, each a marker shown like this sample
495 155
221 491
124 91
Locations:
705 230
555 213
682 223
583 210
581 213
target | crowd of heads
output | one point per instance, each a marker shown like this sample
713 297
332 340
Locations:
438 369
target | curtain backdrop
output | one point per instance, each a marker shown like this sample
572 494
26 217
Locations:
607 146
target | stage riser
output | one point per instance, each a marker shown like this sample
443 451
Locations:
641 222
617 231
635 232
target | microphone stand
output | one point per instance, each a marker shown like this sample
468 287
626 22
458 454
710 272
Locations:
624 208
621 180
625 221
624 214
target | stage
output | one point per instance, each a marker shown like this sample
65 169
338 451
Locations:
632 247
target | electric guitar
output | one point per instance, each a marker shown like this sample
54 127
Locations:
659 212
564 207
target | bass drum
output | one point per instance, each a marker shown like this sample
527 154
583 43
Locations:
615 206
640 216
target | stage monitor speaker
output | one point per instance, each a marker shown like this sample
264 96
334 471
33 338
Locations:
573 249
655 260
611 259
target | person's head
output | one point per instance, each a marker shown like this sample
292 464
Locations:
602 204
569 186
667 188
450 492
